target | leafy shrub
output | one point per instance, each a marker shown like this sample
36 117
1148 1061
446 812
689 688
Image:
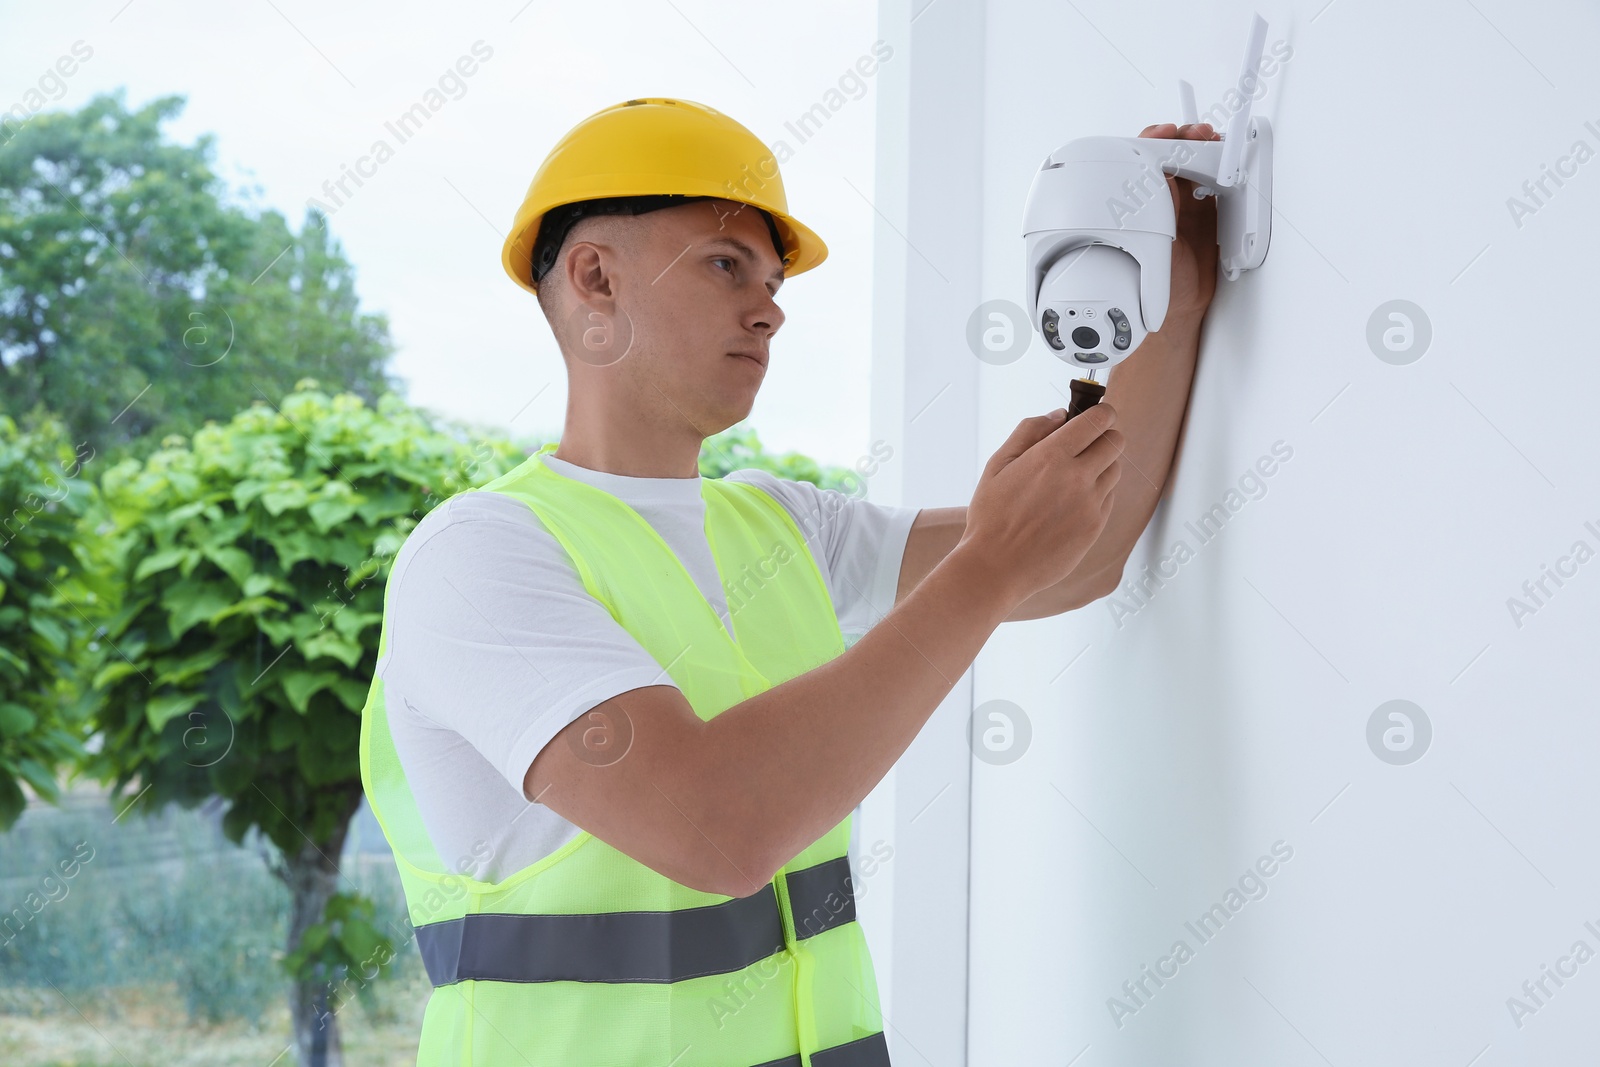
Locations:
42 498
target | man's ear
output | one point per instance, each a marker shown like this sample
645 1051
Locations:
593 328
588 275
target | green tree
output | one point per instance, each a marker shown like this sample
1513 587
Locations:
42 499
136 300
238 656
740 447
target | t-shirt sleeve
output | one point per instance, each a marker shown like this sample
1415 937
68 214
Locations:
493 635
858 544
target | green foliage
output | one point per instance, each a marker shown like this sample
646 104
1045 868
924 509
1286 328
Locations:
739 447
346 942
135 301
42 498
251 565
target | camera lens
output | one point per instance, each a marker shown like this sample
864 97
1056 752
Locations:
1086 337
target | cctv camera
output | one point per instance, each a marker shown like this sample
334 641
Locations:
1088 306
1099 225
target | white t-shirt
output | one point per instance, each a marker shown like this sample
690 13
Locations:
494 643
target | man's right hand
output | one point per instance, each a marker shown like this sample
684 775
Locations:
1043 498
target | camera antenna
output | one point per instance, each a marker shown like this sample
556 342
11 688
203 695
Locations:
1238 126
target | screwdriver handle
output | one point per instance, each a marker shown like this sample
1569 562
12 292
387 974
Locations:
1085 395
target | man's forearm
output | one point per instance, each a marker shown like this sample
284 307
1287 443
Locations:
791 762
1150 391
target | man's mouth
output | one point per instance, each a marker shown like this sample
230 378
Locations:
754 357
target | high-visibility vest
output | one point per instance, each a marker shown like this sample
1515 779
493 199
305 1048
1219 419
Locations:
589 958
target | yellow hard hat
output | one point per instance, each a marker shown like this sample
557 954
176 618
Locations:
658 146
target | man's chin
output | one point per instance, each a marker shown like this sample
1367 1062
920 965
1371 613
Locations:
727 417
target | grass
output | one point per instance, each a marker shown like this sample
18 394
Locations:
146 1026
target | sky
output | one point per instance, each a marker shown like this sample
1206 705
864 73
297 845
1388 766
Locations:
296 91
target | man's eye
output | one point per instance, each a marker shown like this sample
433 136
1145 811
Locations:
723 259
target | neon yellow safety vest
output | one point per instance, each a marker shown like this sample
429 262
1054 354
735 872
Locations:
589 958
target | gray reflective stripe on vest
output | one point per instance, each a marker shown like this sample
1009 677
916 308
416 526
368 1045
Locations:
636 946
869 1051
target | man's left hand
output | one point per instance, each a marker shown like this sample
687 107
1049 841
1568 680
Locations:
1194 251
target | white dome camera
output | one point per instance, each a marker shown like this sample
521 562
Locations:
1088 305
1099 226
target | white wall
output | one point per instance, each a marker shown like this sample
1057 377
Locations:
1376 562
924 381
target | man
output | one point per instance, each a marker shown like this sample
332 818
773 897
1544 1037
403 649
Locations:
618 730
